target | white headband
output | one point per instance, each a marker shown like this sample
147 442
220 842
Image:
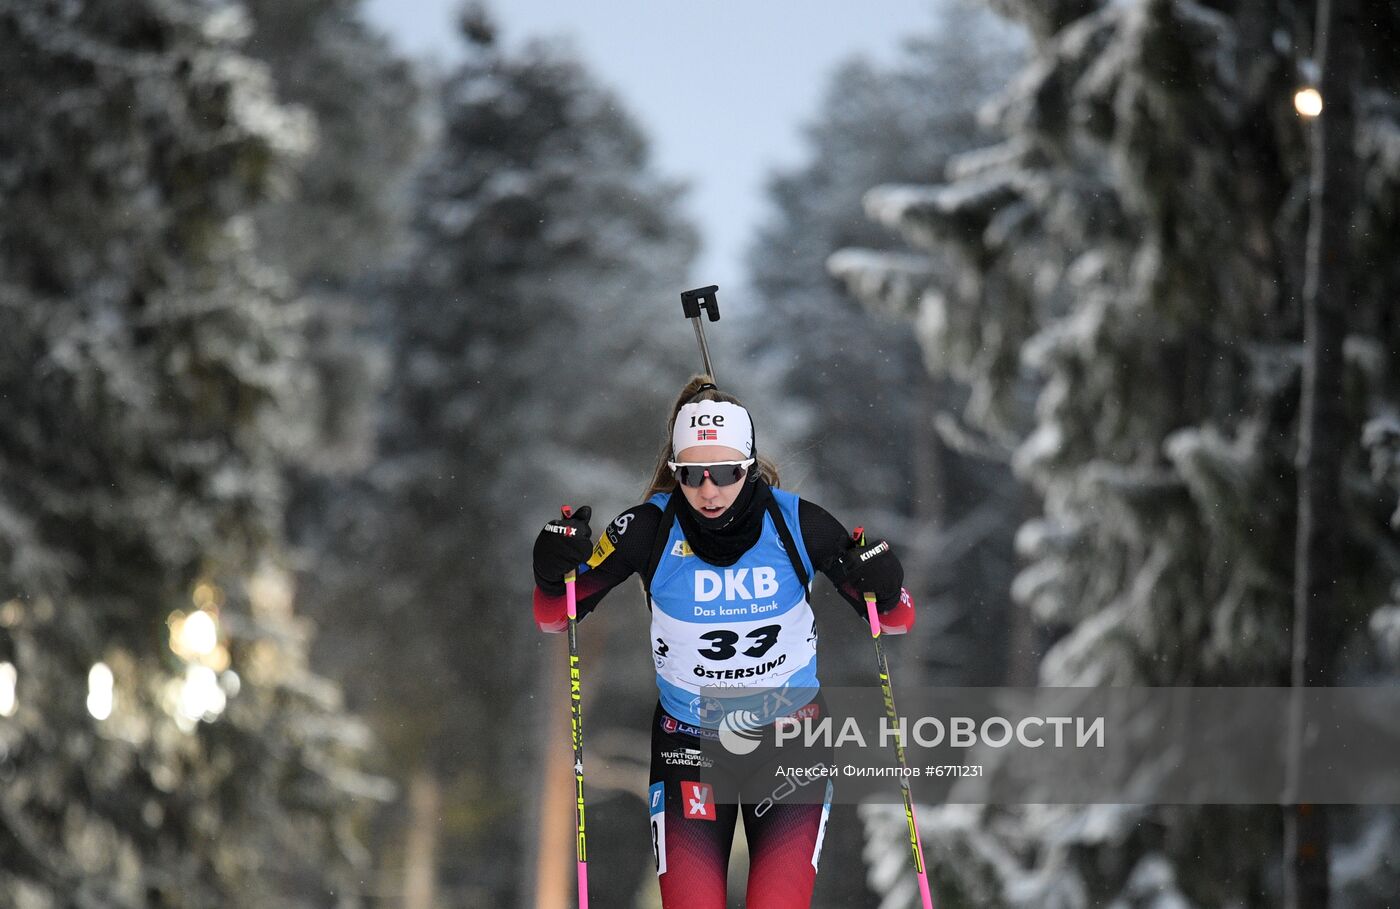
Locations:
713 423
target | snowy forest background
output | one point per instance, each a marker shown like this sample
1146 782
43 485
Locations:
300 342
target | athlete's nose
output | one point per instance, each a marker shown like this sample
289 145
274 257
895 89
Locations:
710 494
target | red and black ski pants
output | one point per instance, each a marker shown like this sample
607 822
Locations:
699 789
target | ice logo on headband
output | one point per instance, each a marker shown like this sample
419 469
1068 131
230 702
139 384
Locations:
713 423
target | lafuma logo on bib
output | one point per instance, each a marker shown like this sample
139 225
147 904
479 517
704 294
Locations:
735 583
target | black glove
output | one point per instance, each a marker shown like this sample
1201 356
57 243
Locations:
870 568
561 547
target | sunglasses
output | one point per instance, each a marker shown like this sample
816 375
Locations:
722 473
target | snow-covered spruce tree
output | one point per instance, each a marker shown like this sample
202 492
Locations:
852 403
342 206
338 217
1363 868
1136 243
536 341
847 401
842 378
336 224
1382 438
147 354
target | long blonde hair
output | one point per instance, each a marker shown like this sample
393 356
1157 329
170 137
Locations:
662 479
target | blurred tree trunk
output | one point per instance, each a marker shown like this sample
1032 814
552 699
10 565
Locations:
420 851
1323 428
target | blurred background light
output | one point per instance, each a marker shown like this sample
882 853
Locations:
270 592
99 699
207 596
201 698
1308 102
8 679
195 635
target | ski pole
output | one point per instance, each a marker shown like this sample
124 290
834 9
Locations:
692 301
576 722
915 843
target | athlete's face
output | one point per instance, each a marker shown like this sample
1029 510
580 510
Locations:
707 498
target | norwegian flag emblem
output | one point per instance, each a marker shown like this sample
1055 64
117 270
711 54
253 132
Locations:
707 435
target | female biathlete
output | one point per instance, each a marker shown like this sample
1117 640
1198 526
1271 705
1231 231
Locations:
727 568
